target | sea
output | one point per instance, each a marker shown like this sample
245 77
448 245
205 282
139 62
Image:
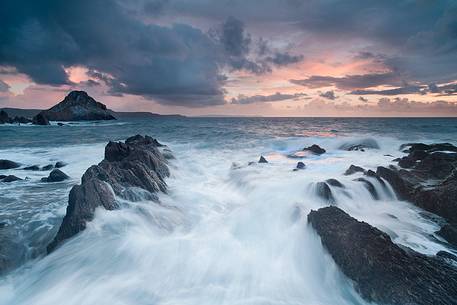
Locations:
228 231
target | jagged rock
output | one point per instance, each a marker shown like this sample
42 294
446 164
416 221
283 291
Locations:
56 175
32 168
134 165
60 164
449 233
370 187
300 165
262 160
40 119
315 149
353 169
47 167
4 118
360 145
402 188
428 147
324 192
11 178
382 271
334 182
78 106
7 164
2 176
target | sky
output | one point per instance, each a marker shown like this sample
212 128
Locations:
233 57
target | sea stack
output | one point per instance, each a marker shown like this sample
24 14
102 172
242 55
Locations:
77 106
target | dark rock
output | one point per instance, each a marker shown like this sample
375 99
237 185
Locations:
370 173
32 168
449 233
300 165
78 106
315 149
40 119
360 145
21 120
60 124
10 178
60 164
447 255
382 271
324 192
56 175
4 118
438 165
2 176
370 187
7 164
353 169
334 182
136 164
429 147
262 160
401 187
47 167
406 162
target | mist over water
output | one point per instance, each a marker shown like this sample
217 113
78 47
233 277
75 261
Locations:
226 232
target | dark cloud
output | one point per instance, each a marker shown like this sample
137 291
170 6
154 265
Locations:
363 99
350 82
328 95
395 91
243 99
179 64
283 59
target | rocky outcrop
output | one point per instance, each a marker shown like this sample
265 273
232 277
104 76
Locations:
315 149
10 178
56 175
300 165
353 169
77 106
128 169
262 160
40 119
6 119
382 271
7 164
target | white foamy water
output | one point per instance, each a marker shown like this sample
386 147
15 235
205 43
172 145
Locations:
221 235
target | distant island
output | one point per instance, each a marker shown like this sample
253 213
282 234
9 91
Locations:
76 106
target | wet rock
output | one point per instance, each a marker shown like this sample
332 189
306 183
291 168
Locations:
60 164
401 187
32 168
60 124
406 162
334 182
315 149
2 176
7 164
449 233
127 167
370 187
411 147
21 120
382 271
353 169
47 167
40 119
11 178
324 192
262 160
360 145
77 106
56 175
300 165
447 255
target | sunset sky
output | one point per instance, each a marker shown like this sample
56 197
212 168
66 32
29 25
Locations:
234 57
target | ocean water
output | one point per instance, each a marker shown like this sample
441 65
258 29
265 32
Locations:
225 233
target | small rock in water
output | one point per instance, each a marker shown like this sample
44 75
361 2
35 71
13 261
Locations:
334 182
324 191
47 167
11 178
7 164
315 149
60 164
370 187
301 165
55 176
60 124
262 160
32 168
353 169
